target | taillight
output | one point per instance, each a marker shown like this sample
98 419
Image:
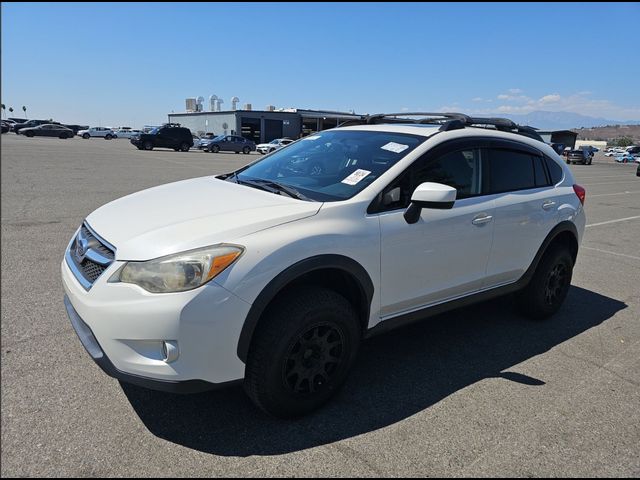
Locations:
580 192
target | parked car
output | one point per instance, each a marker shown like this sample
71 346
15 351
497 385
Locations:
626 158
231 143
634 150
31 123
273 145
76 128
204 141
47 130
638 171
585 157
126 133
273 278
6 126
167 136
101 132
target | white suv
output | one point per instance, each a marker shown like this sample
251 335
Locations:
275 273
273 145
103 132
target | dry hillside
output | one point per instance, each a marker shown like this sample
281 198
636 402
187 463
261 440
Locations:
609 133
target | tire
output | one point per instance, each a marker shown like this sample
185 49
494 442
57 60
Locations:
184 147
312 330
176 149
272 150
86 136
246 150
214 149
108 136
63 137
29 134
548 288
148 145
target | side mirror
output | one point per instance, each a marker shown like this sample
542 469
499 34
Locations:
430 195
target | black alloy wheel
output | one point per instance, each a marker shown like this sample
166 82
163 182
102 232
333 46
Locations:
313 359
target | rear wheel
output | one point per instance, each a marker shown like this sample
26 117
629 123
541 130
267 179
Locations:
214 149
29 134
246 150
184 147
302 352
549 286
108 136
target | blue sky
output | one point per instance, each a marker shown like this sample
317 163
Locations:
131 64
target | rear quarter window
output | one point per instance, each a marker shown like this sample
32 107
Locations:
555 170
510 170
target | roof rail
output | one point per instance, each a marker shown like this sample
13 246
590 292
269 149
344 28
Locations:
448 121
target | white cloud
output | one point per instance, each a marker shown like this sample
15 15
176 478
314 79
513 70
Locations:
515 91
582 103
554 98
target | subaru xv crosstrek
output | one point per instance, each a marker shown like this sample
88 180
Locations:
272 275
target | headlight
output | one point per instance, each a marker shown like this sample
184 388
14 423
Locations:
179 272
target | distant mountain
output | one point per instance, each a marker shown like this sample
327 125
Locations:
563 120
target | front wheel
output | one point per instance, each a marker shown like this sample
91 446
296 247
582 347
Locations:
549 285
86 136
148 145
246 150
108 137
29 134
214 149
302 352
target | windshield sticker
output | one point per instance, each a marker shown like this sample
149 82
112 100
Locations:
312 137
395 147
356 177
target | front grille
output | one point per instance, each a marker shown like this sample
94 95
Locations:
89 256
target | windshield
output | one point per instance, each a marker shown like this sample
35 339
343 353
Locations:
219 137
332 165
274 142
154 131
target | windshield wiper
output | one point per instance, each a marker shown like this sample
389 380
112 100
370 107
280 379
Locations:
292 192
267 185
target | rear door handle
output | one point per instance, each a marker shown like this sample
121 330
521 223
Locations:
549 204
481 219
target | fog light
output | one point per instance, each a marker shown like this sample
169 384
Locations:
170 350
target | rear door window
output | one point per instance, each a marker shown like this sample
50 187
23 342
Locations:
510 170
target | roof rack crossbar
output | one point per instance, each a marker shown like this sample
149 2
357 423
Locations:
447 121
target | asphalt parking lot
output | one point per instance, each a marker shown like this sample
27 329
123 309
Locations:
476 392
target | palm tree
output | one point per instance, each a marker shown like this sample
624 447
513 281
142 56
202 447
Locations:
3 109
10 109
24 109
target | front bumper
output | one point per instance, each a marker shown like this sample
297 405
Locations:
91 345
129 325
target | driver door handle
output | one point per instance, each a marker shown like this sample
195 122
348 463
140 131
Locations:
481 219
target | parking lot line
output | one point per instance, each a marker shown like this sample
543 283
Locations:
613 221
611 253
610 194
602 176
608 183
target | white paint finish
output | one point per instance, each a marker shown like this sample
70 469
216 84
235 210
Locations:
442 255
190 214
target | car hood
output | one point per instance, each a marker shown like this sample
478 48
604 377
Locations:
262 145
191 214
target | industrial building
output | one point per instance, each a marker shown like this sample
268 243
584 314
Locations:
258 125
